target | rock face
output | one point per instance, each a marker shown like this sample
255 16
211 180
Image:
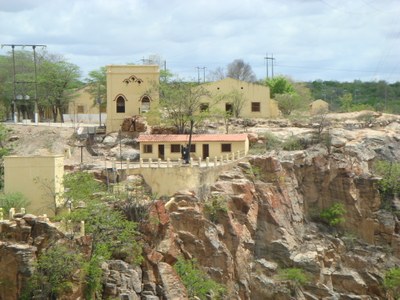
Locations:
271 223
267 220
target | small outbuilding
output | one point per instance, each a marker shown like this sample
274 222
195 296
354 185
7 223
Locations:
171 146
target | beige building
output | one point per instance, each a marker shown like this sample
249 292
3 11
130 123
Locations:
38 178
83 108
130 91
256 98
165 146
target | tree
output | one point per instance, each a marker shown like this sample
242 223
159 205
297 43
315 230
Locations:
97 82
346 102
217 74
181 102
57 78
279 85
235 98
288 102
240 70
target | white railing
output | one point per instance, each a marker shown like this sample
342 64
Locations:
199 162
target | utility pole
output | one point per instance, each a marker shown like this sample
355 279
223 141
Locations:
198 74
25 82
267 58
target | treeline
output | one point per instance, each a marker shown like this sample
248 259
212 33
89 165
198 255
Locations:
374 95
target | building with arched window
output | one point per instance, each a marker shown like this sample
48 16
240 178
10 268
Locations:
131 91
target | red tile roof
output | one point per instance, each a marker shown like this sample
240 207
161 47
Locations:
184 138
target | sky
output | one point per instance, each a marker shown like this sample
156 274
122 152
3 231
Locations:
306 40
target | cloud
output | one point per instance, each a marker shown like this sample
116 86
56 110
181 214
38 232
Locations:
325 39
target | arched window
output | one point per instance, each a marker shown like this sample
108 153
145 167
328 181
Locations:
145 104
120 104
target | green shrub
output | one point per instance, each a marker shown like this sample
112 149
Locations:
197 282
16 200
391 281
214 206
53 273
389 185
292 143
334 214
272 142
80 186
295 275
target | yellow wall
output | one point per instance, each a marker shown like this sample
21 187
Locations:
83 98
39 178
214 149
251 93
196 179
133 82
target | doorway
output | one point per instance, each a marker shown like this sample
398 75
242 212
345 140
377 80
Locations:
206 151
161 152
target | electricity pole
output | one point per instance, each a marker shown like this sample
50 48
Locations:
198 74
25 82
267 58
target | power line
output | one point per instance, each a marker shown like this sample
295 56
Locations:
267 58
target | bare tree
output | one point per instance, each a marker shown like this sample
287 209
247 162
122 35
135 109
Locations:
240 70
217 74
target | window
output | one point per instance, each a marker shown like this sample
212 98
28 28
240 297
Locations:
228 107
120 104
145 104
147 148
204 107
175 148
226 147
255 106
80 109
193 148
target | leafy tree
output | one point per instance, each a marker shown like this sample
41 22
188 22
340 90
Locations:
197 283
57 78
238 69
235 98
346 102
53 273
288 102
97 81
181 102
10 200
279 85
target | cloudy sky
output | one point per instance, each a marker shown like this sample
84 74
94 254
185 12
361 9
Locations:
309 39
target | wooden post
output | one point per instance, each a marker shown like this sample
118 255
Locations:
140 162
150 162
159 163
207 162
199 162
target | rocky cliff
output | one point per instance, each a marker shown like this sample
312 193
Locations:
267 220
